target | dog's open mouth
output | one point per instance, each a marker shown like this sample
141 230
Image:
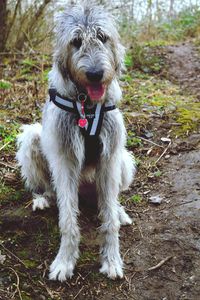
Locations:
95 91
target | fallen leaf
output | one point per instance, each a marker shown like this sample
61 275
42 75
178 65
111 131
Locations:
2 258
165 140
157 199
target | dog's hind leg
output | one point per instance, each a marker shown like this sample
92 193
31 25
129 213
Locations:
127 174
128 169
34 169
123 216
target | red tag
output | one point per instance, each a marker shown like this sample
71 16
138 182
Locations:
82 123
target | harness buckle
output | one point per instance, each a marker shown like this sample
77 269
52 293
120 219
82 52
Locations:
82 97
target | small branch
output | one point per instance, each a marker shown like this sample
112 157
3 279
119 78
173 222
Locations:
162 262
17 284
50 293
8 165
79 292
13 255
163 153
149 141
6 144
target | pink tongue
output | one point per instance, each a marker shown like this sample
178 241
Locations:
95 91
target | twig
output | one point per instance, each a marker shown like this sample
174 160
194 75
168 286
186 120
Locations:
13 255
127 251
28 204
17 284
163 153
6 144
79 292
179 204
7 165
50 293
149 141
140 231
12 53
162 262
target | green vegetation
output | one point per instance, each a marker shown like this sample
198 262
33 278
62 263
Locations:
136 198
87 257
144 40
163 30
142 57
133 141
186 24
8 193
188 116
8 135
4 85
157 95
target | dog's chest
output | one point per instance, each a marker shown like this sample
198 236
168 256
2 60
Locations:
74 142
93 150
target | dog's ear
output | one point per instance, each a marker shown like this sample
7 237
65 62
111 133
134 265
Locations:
62 67
120 53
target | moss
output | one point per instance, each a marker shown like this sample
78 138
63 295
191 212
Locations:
189 118
29 263
155 95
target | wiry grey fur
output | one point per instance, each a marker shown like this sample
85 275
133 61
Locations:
52 156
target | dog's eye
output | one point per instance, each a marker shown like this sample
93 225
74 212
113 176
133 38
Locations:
77 43
102 37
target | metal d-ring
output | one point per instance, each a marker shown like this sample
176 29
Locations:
82 97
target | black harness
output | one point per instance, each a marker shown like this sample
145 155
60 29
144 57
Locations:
94 115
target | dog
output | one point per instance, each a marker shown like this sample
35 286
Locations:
82 136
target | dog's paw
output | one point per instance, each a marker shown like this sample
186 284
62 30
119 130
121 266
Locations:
61 270
40 203
112 269
124 217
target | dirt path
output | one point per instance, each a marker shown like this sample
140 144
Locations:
184 66
171 231
161 249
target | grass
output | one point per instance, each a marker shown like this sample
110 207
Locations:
5 85
8 133
136 198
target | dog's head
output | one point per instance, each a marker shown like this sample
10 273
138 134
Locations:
88 51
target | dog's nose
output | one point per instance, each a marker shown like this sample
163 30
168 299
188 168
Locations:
94 75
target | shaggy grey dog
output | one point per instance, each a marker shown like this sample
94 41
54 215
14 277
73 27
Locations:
82 137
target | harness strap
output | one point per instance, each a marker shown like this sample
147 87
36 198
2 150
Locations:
93 115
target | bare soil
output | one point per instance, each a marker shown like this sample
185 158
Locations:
184 66
161 249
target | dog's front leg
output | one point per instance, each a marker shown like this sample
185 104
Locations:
108 181
65 176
